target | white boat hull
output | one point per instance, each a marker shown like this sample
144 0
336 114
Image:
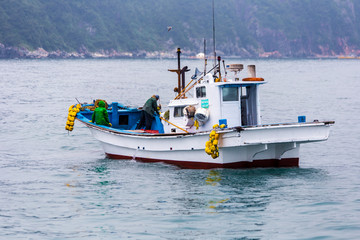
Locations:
257 146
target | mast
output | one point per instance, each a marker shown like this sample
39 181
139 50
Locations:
181 75
205 55
178 71
214 45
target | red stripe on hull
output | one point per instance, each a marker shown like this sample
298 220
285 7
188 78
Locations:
263 163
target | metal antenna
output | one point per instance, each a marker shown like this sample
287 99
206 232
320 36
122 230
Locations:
205 55
224 68
214 45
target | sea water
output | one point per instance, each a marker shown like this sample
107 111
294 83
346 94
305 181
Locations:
60 185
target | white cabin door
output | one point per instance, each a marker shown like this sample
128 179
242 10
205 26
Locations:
230 106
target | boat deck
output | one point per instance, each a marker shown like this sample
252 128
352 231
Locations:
238 129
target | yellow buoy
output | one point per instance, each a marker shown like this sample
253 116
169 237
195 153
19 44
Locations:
71 117
211 146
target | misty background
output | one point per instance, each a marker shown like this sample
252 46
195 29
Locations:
138 28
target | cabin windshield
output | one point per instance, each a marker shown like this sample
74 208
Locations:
230 94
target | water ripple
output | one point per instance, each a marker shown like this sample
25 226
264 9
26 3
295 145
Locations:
56 185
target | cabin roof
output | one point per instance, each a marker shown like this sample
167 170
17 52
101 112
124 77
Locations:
239 83
183 102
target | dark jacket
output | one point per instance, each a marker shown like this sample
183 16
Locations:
100 115
151 106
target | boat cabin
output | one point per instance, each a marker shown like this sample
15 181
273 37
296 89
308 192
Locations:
232 102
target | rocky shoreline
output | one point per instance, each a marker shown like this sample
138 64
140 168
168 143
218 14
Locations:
83 53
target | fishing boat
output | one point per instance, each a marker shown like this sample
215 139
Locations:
218 127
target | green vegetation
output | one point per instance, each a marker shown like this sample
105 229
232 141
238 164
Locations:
294 28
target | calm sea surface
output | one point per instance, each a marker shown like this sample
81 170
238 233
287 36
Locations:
56 185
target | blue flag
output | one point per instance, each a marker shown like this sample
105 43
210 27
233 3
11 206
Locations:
197 73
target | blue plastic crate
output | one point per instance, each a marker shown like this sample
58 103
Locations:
222 121
301 119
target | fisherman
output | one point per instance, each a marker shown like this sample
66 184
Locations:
147 114
100 115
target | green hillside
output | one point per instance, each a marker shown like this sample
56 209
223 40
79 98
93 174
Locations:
247 28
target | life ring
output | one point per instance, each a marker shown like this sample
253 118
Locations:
253 79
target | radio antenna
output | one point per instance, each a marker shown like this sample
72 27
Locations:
205 59
214 45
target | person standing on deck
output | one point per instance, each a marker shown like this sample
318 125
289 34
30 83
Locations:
147 114
100 115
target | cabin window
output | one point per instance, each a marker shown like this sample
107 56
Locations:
123 119
230 94
178 111
200 92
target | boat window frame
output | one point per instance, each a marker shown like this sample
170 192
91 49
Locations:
231 99
123 119
201 92
177 111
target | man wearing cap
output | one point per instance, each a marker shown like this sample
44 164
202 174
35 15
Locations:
149 109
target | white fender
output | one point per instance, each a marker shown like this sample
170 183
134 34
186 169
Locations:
202 115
